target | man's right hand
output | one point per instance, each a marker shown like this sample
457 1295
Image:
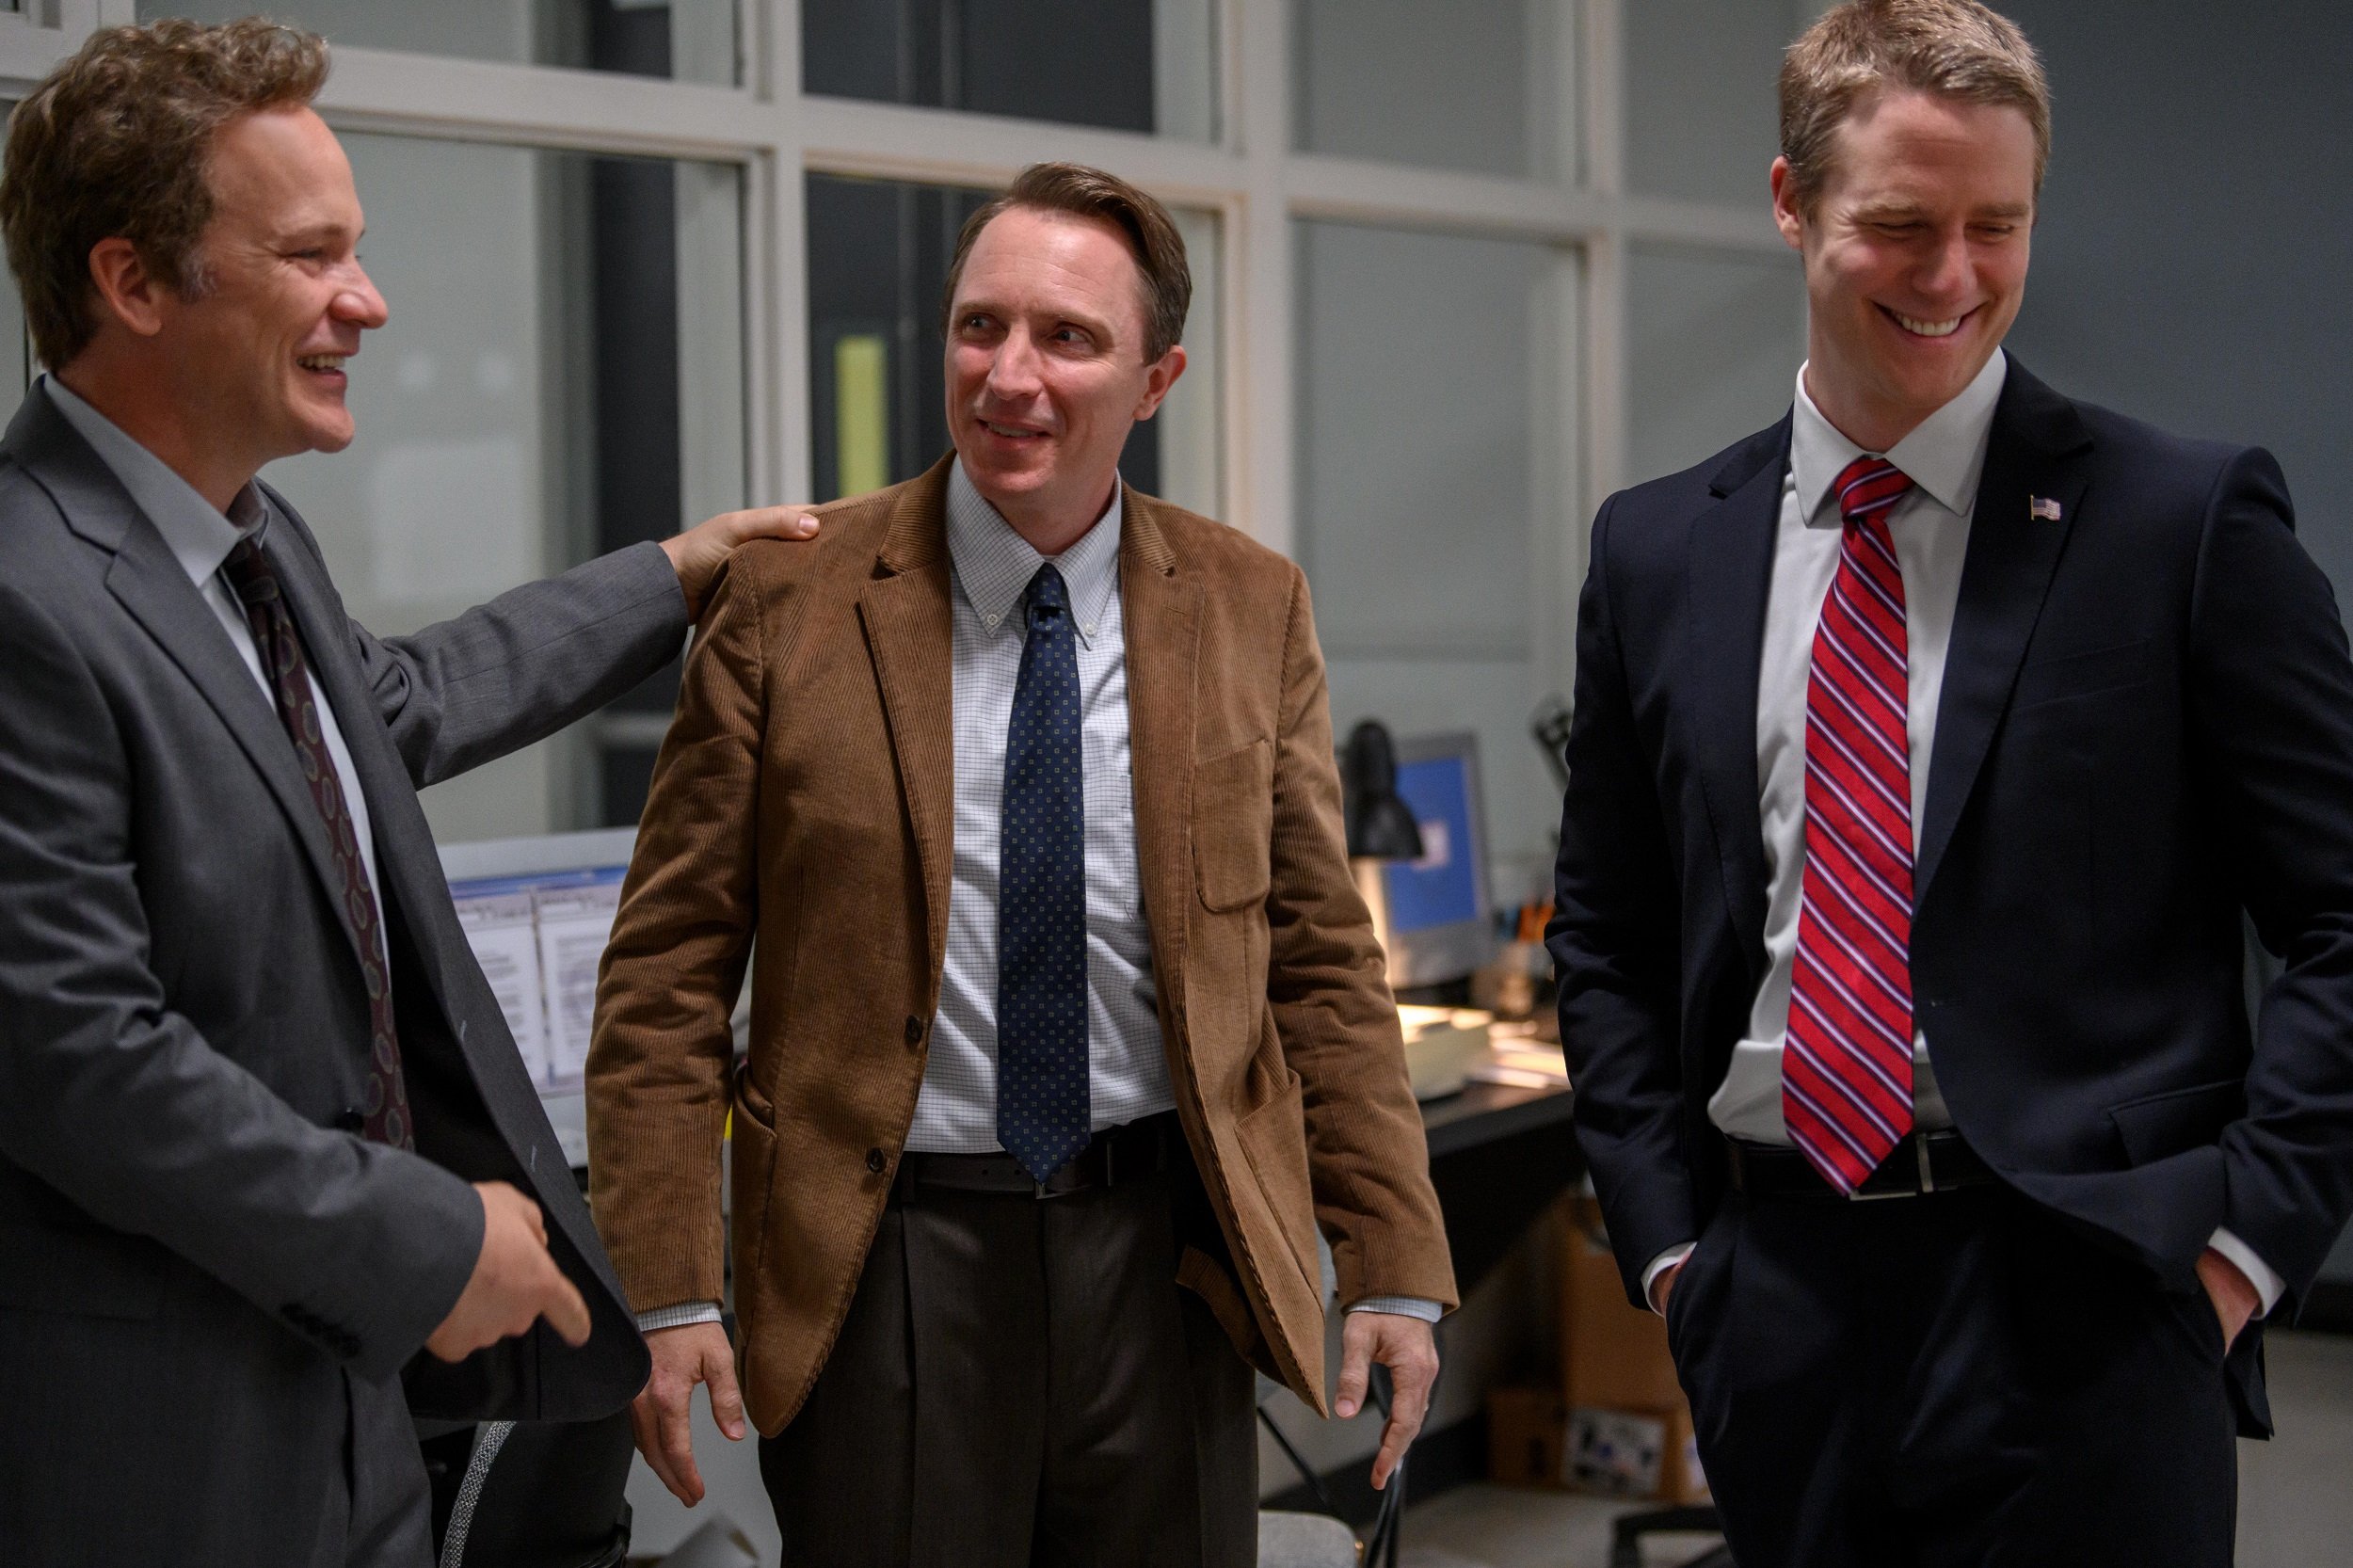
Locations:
660 1415
514 1283
1663 1287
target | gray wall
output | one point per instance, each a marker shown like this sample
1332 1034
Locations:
2194 263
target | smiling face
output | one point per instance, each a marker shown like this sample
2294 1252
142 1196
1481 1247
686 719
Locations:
1046 371
260 348
1915 256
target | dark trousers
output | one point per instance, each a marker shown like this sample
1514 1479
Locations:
1021 1383
1949 1380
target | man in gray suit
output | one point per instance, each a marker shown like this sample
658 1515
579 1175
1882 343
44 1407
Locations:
264 1134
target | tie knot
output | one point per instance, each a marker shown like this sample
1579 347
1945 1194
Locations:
1047 598
1867 486
249 572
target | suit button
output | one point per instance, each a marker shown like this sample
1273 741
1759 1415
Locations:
349 1120
875 1161
915 1031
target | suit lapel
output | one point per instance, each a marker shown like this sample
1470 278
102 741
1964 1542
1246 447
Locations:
1161 608
1731 574
907 613
147 580
2004 578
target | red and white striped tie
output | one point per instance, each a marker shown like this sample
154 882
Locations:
1846 1070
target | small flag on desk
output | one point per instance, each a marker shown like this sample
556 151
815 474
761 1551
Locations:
2041 508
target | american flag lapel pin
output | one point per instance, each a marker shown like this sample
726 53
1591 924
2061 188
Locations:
2041 508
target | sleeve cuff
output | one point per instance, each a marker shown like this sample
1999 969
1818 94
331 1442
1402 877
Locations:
2266 1279
1660 1265
1403 1306
679 1316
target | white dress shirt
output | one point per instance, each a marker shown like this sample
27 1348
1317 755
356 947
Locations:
201 539
1943 456
955 1110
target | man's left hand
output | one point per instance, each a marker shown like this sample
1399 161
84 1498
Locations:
698 553
1407 1348
2234 1296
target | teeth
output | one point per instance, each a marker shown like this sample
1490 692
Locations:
1006 430
1929 328
322 362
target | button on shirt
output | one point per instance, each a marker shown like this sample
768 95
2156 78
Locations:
201 539
1945 458
1128 1070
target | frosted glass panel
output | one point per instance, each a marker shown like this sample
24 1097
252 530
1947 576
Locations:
561 375
1436 494
1714 340
1129 65
686 40
1482 85
1702 115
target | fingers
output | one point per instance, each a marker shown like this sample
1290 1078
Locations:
675 1433
1355 1365
645 1428
727 1400
1408 1349
768 523
565 1311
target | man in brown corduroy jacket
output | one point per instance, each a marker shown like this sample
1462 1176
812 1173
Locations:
1069 1030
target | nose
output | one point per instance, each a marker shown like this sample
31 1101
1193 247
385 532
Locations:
1946 271
1013 370
357 301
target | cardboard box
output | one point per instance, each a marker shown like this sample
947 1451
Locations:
1630 1453
1613 1354
1525 1430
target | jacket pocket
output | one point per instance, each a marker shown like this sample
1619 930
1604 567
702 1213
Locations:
1233 826
752 1166
1273 1139
2085 674
96 1272
2156 1125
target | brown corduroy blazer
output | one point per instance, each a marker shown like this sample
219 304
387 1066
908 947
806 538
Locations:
805 796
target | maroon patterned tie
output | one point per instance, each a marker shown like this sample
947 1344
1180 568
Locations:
1846 1071
386 1113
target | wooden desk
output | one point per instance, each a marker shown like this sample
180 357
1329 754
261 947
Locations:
1498 1157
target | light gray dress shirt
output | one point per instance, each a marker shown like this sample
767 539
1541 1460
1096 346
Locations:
1945 458
199 539
955 1110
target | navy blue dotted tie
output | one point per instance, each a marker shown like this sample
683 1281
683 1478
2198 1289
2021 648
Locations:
1042 1109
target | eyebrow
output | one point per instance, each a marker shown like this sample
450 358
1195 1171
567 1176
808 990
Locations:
1900 212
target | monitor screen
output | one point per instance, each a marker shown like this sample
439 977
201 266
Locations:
1436 921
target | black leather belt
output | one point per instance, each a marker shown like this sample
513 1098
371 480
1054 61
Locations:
1115 1155
1924 1163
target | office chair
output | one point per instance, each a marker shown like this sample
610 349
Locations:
541 1494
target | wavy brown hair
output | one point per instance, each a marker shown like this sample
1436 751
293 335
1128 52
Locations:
118 142
1084 192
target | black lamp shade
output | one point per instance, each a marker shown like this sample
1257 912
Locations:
1380 824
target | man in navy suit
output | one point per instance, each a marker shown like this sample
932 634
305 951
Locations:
1931 748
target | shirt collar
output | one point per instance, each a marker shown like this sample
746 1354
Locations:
1943 455
200 537
994 563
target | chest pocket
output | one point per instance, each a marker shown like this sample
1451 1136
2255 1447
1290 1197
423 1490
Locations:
1233 821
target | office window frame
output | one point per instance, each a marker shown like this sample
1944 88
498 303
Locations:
1250 177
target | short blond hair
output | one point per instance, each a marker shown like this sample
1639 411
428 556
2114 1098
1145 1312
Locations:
117 140
1955 48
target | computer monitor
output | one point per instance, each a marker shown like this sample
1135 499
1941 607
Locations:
1434 914
537 913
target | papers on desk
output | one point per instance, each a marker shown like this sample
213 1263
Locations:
1517 1058
538 940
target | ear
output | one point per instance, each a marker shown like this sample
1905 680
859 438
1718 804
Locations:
126 290
1788 217
1159 377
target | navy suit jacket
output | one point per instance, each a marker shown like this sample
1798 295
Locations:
2145 728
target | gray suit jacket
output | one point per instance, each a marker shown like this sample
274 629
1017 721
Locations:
193 1251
